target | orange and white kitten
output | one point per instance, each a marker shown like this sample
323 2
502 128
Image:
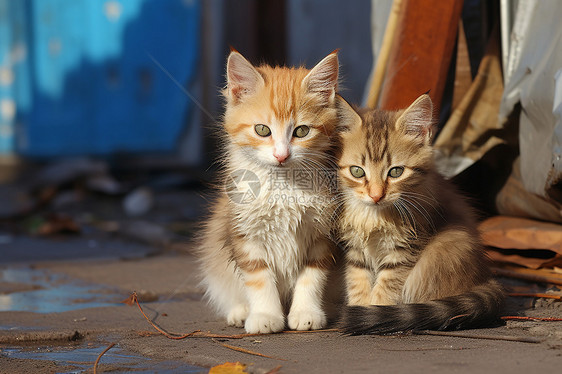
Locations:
265 250
413 257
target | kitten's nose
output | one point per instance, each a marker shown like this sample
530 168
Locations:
281 156
376 197
376 192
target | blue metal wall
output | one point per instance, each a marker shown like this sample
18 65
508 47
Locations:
85 79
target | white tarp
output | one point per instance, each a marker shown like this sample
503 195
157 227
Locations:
532 76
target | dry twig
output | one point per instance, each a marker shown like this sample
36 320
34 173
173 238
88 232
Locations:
133 299
99 357
525 318
523 339
532 294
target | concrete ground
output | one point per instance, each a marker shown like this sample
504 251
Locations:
58 316
61 304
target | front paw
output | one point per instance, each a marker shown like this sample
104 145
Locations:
264 323
237 315
307 320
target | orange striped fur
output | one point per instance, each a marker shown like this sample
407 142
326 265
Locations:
266 261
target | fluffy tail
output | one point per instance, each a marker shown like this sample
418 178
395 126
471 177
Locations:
478 308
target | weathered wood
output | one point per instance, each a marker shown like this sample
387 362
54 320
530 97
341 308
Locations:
463 76
382 59
421 55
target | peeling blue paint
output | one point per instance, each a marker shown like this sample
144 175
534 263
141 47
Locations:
84 82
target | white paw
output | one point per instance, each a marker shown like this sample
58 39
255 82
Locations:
237 315
307 320
264 323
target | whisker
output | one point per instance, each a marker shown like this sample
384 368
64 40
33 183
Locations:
425 214
431 202
409 214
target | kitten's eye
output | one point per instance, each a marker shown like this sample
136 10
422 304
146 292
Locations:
357 172
262 130
301 131
395 172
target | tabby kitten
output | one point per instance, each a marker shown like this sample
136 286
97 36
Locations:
265 250
413 257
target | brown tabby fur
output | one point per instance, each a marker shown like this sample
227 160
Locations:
412 247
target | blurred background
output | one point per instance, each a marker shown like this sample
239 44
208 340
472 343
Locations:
110 109
106 78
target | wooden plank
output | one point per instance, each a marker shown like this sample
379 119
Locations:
382 59
420 58
463 76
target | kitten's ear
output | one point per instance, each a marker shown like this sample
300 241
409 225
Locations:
417 120
348 119
242 77
323 78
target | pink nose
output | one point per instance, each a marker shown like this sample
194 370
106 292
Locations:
375 198
376 192
281 157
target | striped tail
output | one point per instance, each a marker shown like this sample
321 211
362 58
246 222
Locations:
480 307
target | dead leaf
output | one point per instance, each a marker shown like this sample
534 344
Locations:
540 276
553 262
521 233
131 300
529 262
229 368
525 242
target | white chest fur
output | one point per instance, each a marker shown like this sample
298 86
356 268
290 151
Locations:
286 213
